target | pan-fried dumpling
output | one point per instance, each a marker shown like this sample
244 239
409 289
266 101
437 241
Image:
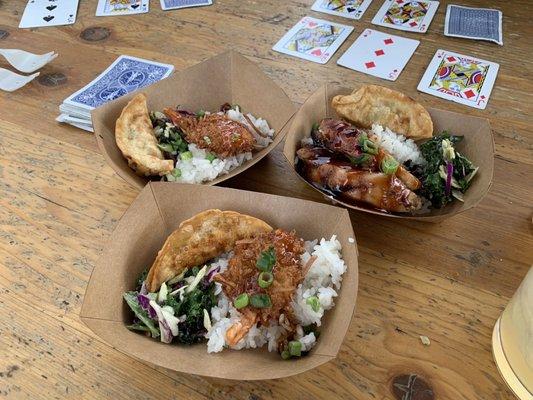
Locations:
373 104
136 140
199 239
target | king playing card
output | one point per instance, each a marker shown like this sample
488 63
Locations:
107 8
313 39
379 54
406 15
459 78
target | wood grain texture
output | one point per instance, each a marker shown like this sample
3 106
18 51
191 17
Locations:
59 202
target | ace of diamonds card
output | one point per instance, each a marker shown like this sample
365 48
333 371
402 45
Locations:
406 15
379 54
459 78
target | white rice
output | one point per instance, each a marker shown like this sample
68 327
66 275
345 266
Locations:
399 146
199 169
322 280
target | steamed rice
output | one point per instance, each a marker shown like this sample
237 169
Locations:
322 280
400 147
199 168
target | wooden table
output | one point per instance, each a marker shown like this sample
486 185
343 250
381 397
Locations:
59 202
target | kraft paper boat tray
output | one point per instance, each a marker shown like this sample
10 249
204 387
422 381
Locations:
225 78
141 232
478 146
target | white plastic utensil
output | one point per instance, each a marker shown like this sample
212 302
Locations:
10 81
25 61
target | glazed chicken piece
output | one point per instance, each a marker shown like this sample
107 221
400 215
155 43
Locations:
242 277
377 189
214 132
340 136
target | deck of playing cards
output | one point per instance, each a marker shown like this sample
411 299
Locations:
108 8
125 75
176 4
379 54
462 79
474 23
49 13
353 9
406 15
313 39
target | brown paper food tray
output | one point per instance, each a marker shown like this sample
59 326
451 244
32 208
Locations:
478 146
226 78
141 232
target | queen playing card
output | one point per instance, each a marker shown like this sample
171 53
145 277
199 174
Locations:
379 54
462 79
313 39
353 9
406 15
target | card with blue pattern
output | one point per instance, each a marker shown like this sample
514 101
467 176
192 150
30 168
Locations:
125 75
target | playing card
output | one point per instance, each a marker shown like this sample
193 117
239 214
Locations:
175 4
313 39
406 15
352 9
49 13
463 79
125 75
474 23
121 7
379 54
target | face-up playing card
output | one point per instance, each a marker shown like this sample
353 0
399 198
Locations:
406 15
175 4
353 9
474 23
49 13
379 54
107 8
125 75
313 39
459 78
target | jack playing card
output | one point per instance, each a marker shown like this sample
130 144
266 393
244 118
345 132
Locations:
107 8
406 15
379 54
474 23
175 4
49 13
353 9
313 39
459 78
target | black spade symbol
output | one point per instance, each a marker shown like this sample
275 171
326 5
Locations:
48 18
135 6
350 9
50 8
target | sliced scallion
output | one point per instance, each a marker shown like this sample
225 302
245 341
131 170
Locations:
295 348
314 303
389 165
187 155
241 301
260 300
265 279
210 157
285 354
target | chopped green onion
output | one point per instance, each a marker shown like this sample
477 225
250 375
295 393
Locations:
260 301
210 157
285 354
166 147
176 173
389 165
315 127
207 139
265 279
241 301
314 303
266 260
187 155
360 159
295 348
200 114
370 147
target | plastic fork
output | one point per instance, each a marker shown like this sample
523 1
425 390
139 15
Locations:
10 81
25 61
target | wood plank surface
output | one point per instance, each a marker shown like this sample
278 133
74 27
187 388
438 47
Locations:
59 201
